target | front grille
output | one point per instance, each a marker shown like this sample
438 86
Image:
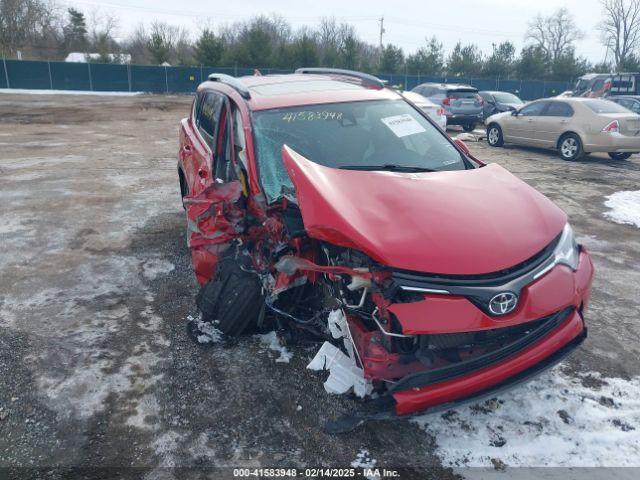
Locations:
533 331
414 279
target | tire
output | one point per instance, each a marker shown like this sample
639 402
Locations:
469 127
620 155
232 300
494 135
570 147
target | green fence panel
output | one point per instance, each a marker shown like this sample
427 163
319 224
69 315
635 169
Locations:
3 75
183 79
148 78
70 76
158 79
513 86
109 78
28 74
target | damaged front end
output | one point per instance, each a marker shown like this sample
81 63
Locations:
405 340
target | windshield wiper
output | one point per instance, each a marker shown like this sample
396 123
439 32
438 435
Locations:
390 167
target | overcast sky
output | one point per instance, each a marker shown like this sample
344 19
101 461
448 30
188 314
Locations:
407 22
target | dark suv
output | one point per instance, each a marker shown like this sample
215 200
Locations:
462 104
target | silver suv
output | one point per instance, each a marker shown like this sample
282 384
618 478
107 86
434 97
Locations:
461 103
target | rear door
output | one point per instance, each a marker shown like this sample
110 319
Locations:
554 121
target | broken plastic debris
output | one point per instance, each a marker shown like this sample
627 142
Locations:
343 372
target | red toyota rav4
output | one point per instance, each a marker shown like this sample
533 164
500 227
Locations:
325 204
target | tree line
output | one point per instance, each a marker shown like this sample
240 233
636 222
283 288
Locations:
39 30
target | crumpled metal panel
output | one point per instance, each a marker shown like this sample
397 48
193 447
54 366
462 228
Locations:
214 219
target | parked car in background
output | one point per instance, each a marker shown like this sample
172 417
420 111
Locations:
435 112
573 126
596 85
462 104
630 102
497 102
591 84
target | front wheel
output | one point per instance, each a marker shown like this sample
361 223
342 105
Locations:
494 136
469 127
570 147
620 155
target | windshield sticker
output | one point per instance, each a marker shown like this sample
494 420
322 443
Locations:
310 116
403 125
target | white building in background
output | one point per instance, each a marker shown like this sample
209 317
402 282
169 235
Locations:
80 57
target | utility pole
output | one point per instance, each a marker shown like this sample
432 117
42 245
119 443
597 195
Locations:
381 22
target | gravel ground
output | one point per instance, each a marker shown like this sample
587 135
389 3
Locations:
96 369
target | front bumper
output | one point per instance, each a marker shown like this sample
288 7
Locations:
555 301
559 290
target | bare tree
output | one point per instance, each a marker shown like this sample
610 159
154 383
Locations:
621 29
555 34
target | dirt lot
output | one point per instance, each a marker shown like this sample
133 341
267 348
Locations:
96 369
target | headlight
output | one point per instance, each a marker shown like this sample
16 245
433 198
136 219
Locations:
567 252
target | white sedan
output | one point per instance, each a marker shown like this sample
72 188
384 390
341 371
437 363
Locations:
435 112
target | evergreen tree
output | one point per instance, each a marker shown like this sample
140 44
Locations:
208 48
392 60
75 32
427 60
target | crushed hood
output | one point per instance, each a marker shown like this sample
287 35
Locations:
459 222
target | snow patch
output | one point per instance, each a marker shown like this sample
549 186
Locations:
152 269
553 421
25 91
364 460
625 207
208 333
272 341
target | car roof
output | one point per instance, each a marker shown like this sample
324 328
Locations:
292 90
447 86
491 92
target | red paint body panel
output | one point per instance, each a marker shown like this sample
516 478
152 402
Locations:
410 401
459 222
559 288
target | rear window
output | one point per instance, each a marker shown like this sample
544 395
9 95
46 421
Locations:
504 97
605 106
462 93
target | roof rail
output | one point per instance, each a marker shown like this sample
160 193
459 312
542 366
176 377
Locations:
366 79
233 82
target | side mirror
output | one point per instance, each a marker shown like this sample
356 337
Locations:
462 145
514 113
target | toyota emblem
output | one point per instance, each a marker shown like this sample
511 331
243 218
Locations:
503 303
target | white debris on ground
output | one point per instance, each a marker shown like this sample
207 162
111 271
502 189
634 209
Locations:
364 460
208 333
554 420
272 341
344 373
625 207
25 91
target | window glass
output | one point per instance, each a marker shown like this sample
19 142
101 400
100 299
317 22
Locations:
604 106
208 117
224 168
533 109
239 140
362 134
559 109
505 97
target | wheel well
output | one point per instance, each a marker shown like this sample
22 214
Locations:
568 133
493 124
183 182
